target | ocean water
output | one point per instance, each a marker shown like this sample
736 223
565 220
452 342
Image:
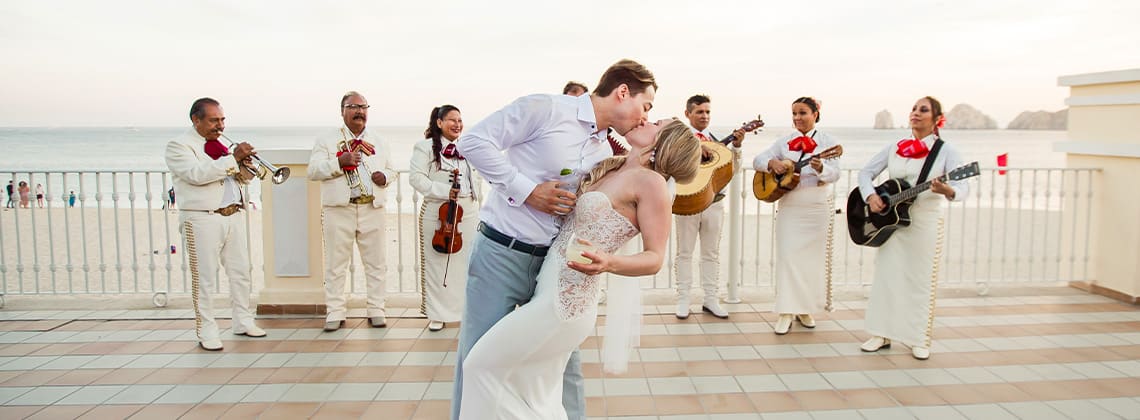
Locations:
29 153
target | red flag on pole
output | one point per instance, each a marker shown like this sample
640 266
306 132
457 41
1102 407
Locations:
1002 162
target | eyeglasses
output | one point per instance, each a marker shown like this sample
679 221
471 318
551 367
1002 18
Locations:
357 106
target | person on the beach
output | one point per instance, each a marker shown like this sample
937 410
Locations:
525 150
71 199
24 192
901 307
443 273
212 182
11 195
40 195
354 168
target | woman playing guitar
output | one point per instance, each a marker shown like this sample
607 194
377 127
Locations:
804 214
436 167
906 267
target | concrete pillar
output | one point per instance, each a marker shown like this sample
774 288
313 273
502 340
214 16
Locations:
291 239
1104 132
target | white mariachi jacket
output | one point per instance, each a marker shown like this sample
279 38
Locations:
198 178
325 167
431 180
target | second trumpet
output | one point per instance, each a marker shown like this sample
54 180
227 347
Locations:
279 174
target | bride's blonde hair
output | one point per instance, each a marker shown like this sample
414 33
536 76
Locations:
676 154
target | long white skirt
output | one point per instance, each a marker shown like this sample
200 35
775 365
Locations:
901 306
801 251
439 302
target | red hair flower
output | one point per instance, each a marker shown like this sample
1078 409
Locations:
941 121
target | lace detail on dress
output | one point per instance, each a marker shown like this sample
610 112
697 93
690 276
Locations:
595 220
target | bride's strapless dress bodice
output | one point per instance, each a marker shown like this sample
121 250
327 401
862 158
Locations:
593 219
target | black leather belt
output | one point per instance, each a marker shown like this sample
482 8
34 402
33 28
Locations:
512 243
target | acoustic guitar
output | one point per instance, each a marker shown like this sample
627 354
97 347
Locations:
715 172
872 229
769 187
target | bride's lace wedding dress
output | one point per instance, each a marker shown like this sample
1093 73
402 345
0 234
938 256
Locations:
515 370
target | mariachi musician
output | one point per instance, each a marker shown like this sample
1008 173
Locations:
354 168
211 194
436 168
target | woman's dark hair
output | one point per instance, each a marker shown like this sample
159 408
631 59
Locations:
433 131
935 110
811 103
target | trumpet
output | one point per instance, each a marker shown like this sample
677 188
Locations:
279 174
355 184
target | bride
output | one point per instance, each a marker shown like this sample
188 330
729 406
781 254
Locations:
515 370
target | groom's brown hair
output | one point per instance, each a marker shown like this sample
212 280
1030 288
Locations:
628 72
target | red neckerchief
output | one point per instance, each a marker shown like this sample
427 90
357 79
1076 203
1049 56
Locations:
912 149
450 152
215 149
802 144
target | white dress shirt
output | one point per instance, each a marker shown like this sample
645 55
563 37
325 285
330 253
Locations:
808 176
947 160
526 143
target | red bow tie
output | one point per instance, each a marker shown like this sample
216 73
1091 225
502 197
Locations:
215 149
912 149
702 136
450 152
802 144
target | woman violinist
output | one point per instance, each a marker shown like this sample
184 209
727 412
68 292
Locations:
443 275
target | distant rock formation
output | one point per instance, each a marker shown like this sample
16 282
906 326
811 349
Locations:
884 120
1041 120
966 117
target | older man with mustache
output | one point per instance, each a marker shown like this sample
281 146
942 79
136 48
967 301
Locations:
354 168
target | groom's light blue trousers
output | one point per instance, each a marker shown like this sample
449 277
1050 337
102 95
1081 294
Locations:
498 279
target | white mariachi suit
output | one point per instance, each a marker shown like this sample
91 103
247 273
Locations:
441 301
211 240
346 219
802 227
901 307
708 227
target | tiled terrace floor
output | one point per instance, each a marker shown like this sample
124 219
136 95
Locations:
1036 354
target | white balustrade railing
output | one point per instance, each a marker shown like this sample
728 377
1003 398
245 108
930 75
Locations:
1027 226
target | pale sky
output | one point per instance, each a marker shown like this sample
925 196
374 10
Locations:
286 63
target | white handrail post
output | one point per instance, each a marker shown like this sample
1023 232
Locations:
735 207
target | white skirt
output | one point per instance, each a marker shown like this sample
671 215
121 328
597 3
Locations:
437 301
801 250
901 306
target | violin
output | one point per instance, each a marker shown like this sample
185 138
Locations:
448 239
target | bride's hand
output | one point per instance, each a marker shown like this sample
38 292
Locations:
601 263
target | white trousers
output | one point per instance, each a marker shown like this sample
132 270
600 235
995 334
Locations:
363 225
707 226
213 241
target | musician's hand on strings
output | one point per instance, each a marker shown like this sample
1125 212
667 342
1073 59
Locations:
817 164
738 137
705 153
243 151
548 198
941 188
876 203
379 179
777 167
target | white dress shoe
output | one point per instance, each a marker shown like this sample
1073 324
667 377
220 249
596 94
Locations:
783 324
378 321
435 325
876 343
920 353
250 331
213 344
683 308
331 326
806 320
713 307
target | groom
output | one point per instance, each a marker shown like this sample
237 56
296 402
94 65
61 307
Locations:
524 150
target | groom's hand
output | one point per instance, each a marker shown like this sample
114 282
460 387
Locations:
547 198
